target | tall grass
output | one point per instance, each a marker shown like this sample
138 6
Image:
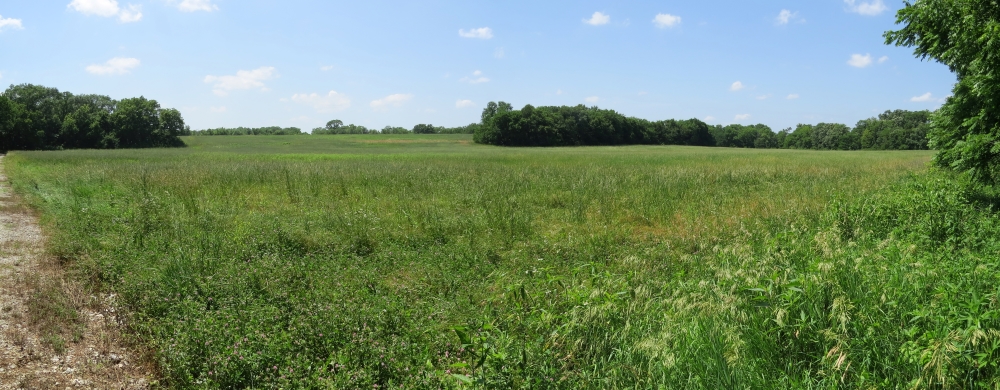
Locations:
428 262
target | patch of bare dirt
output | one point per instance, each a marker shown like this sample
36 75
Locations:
53 335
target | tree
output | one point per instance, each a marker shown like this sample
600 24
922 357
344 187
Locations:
36 117
964 36
424 129
334 124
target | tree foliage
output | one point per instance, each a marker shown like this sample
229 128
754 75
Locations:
272 130
580 125
33 117
965 36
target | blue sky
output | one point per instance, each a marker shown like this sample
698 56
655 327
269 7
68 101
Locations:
377 63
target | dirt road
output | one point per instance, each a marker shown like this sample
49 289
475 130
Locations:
53 335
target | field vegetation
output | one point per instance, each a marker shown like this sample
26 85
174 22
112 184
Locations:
432 262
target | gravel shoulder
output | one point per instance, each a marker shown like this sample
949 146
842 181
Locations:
54 335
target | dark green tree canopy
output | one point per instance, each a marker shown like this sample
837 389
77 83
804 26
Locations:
581 125
965 36
37 117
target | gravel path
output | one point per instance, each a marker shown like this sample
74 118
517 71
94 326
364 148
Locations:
95 360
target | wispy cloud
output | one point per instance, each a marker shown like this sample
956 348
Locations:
709 119
330 102
786 16
883 59
499 53
742 117
737 86
922 98
131 14
117 65
477 33
464 104
476 78
792 96
763 97
666 20
10 23
107 9
860 61
197 5
598 19
326 68
592 99
394 100
867 8
242 80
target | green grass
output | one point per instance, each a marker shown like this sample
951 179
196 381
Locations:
431 262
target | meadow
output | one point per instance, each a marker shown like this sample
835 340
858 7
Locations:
431 262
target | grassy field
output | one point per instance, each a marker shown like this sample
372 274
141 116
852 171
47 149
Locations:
431 262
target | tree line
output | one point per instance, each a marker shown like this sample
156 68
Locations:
272 130
34 117
337 126
580 125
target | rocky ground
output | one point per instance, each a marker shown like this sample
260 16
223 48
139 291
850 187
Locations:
54 335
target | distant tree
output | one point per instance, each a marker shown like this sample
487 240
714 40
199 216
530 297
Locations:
964 36
800 138
833 136
424 129
334 124
394 130
895 130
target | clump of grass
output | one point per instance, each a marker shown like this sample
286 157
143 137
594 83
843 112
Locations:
53 312
436 264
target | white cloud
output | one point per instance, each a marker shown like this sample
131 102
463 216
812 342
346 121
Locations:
598 19
737 86
792 96
763 97
197 5
477 33
10 23
464 104
867 8
326 68
477 78
392 100
786 16
117 65
709 119
592 99
883 59
499 53
860 61
218 109
244 79
922 98
666 20
107 9
330 102
742 117
559 92
130 15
